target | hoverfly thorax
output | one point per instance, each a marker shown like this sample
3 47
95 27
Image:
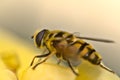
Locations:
39 38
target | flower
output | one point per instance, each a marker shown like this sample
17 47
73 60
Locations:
16 56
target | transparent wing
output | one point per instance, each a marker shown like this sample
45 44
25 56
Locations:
97 39
77 34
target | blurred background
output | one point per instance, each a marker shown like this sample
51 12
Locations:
91 18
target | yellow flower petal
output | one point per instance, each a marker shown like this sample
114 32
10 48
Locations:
6 74
14 47
88 71
11 60
46 71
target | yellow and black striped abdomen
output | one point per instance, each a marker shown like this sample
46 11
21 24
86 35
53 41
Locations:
90 54
87 52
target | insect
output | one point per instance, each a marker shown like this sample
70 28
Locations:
66 46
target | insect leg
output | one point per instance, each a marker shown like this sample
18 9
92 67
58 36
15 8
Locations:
48 56
101 65
71 67
39 63
39 56
59 61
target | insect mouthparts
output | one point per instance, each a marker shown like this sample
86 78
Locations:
32 37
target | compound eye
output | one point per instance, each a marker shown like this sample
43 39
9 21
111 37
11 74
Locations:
39 38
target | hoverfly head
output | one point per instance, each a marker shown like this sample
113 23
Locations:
39 37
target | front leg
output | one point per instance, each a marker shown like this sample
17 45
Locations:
39 56
48 56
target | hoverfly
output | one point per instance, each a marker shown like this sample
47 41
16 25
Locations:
68 47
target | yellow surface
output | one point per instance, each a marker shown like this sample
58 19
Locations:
6 74
14 52
88 71
47 71
16 55
11 60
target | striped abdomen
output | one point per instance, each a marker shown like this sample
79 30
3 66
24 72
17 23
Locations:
89 53
86 51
